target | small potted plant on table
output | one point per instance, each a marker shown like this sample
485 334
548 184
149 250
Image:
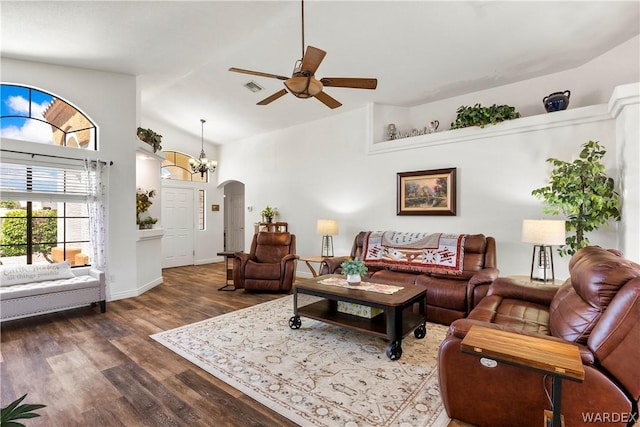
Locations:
268 213
353 269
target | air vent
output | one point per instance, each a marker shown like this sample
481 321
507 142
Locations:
253 86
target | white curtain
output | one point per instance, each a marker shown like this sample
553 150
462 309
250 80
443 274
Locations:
98 206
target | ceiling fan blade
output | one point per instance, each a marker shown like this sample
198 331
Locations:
327 100
312 59
257 73
273 97
350 82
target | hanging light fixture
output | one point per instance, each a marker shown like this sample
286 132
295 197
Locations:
202 164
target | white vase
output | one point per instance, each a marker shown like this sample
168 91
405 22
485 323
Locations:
354 279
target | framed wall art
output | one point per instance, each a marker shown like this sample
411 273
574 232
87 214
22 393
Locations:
429 192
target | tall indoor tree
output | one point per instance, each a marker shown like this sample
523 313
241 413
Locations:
582 191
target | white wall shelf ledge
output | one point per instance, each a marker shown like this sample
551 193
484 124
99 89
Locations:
569 117
144 149
152 234
623 95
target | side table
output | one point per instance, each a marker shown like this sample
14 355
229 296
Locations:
555 358
313 259
229 271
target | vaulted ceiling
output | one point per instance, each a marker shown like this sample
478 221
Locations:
419 51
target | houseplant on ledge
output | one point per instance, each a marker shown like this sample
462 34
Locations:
583 193
353 269
151 138
481 116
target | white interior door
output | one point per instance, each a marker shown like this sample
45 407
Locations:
235 223
178 221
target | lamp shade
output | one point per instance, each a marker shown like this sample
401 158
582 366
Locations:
327 227
543 231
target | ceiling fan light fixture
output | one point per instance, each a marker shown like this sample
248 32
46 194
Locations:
303 87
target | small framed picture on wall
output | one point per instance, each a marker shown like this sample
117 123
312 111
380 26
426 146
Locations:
428 192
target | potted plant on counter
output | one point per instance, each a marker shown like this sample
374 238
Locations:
353 269
143 203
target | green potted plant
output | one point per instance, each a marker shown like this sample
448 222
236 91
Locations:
354 269
147 223
482 116
151 138
16 411
268 213
583 193
143 203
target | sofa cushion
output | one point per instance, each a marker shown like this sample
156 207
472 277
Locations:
48 287
11 275
264 271
272 247
444 292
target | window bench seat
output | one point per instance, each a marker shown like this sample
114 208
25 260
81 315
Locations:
85 286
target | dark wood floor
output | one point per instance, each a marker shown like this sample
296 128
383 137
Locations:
94 369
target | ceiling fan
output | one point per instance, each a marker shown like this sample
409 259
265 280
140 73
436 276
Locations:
303 84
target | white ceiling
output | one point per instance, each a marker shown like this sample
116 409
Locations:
419 51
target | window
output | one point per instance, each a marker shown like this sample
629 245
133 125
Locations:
201 210
43 213
39 232
32 115
176 166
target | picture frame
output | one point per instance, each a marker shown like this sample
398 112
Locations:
427 192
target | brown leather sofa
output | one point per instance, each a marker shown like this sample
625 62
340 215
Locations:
598 308
449 297
270 264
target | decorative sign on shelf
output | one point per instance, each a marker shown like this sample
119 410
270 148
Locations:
393 133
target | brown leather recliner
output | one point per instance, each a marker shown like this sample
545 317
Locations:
270 265
598 308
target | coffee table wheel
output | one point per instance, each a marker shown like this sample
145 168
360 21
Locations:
394 350
420 332
295 322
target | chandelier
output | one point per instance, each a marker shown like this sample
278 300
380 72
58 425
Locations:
202 164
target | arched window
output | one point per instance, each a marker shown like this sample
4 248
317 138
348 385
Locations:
44 209
29 114
176 166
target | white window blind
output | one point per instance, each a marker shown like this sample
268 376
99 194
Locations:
20 181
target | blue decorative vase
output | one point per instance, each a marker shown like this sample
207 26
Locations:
556 101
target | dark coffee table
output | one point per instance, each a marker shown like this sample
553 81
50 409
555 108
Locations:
397 320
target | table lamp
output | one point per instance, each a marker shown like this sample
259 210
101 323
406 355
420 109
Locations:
327 228
543 233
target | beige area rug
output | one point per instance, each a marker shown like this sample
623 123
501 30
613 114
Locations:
318 375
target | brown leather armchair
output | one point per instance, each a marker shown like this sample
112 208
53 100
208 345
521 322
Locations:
598 308
269 266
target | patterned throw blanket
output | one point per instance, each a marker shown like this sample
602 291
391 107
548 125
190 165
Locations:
422 252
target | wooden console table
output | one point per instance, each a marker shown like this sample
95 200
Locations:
555 358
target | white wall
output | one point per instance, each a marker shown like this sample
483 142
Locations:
109 99
322 170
